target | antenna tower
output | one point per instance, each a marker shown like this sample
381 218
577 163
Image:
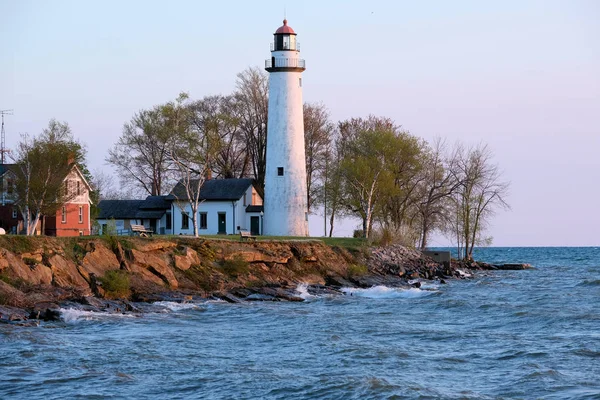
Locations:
3 149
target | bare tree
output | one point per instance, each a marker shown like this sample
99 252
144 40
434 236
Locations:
436 190
318 132
333 195
192 152
252 103
217 116
141 154
480 193
105 186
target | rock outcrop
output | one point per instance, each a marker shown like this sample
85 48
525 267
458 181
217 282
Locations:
39 273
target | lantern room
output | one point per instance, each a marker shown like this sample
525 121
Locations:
285 38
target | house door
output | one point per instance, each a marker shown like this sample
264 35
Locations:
254 226
222 223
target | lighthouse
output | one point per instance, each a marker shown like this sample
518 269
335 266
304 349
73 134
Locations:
285 202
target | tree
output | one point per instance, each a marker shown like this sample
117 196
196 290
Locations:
397 207
141 154
217 116
42 164
318 132
366 150
106 189
192 151
435 191
479 193
251 105
333 195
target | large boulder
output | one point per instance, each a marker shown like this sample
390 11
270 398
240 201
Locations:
34 273
98 261
155 264
67 275
186 260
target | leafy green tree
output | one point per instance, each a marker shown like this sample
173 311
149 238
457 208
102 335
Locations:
365 161
42 164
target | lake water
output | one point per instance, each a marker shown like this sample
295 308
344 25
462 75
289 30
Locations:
504 334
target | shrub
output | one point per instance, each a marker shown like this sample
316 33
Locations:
358 233
357 270
235 266
201 277
111 228
116 284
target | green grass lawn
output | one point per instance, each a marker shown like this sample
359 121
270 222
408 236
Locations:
346 242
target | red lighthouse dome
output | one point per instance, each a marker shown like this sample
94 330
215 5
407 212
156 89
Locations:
285 29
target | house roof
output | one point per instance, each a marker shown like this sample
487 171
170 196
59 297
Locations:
155 203
254 209
214 189
7 167
118 209
150 214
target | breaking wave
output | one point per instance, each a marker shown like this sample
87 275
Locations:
73 315
384 292
302 290
174 306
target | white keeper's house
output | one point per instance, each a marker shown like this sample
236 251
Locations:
228 205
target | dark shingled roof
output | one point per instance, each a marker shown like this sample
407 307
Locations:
7 167
156 203
254 209
150 214
215 189
119 209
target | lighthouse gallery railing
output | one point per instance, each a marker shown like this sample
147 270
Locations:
285 63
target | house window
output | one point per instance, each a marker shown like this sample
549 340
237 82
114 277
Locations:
244 199
279 171
64 215
254 194
204 220
168 220
14 213
185 221
9 186
80 213
66 188
78 188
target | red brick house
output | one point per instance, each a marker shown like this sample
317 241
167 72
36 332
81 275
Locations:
72 219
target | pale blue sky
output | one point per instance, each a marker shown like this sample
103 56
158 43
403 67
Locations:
522 76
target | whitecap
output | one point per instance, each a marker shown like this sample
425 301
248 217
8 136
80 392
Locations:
174 306
74 315
302 290
384 292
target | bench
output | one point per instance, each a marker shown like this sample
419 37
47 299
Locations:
246 235
141 230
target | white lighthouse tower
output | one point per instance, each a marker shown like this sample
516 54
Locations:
285 203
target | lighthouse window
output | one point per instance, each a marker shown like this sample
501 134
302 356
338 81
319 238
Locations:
300 82
279 171
286 42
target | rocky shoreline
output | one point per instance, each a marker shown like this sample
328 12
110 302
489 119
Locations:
40 276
